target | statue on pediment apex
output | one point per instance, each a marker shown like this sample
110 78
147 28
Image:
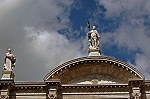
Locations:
93 38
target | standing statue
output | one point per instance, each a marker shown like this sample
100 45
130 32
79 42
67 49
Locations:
10 60
93 38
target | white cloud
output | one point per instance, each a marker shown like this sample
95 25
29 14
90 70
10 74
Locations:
132 32
30 27
116 7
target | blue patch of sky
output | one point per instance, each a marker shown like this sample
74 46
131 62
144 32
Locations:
146 20
104 24
110 25
89 10
79 16
121 53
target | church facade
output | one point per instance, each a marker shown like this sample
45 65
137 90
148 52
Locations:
91 77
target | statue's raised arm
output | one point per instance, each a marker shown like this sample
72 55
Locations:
10 60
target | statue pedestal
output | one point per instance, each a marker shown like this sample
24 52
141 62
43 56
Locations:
94 52
8 75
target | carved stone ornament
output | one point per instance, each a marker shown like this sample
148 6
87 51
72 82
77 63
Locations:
5 97
136 96
52 94
136 93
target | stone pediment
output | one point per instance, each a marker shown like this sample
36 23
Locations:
84 70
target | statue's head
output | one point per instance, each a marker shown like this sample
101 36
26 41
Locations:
9 50
94 27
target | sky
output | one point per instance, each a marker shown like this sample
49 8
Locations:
47 33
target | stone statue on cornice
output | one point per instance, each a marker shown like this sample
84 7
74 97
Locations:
10 60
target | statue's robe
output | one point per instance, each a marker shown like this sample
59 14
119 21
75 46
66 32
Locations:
8 61
93 37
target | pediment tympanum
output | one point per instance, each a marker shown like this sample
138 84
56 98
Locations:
84 70
95 79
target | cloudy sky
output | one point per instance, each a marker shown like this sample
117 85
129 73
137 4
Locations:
46 33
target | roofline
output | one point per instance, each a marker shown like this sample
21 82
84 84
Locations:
103 59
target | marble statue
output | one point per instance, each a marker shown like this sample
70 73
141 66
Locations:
10 60
93 38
